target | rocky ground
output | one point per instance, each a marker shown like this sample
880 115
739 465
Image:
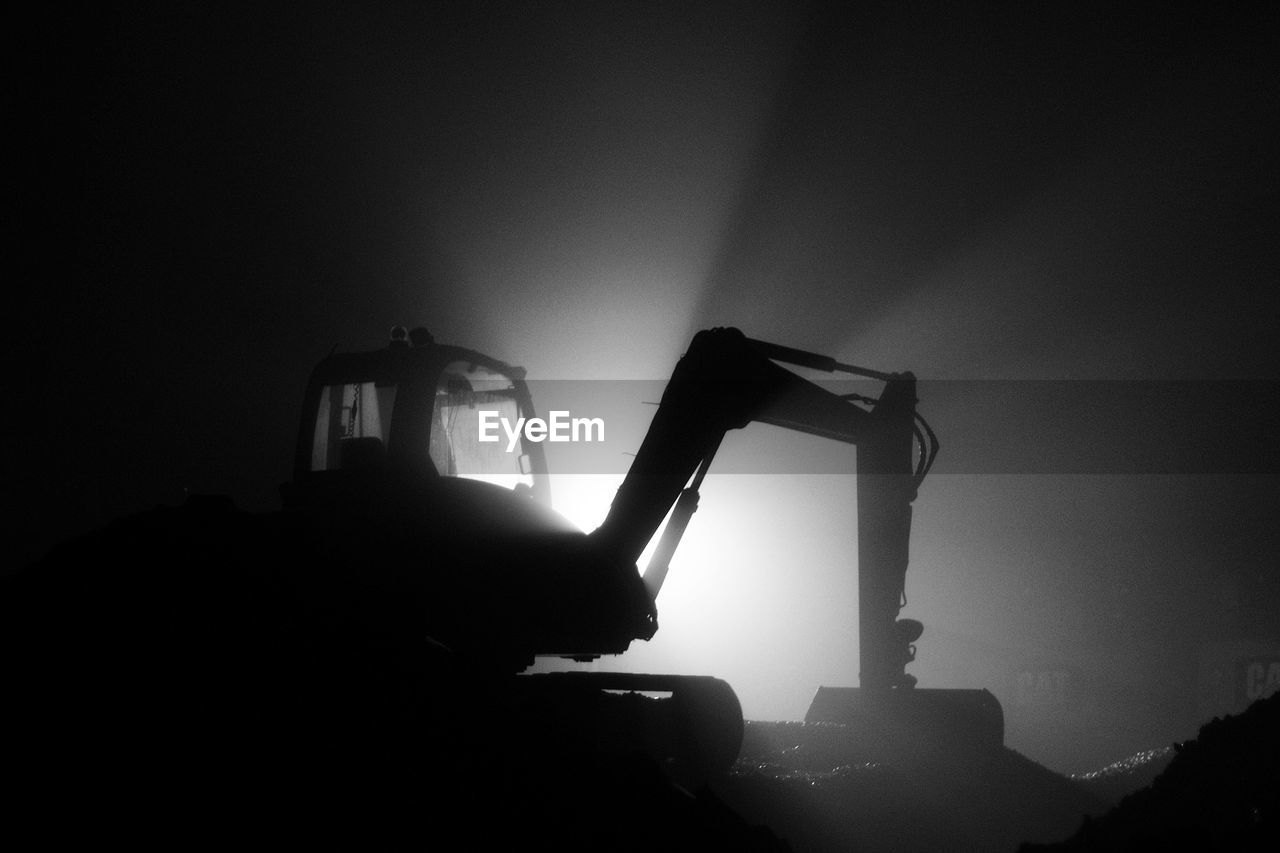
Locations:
794 778
1218 792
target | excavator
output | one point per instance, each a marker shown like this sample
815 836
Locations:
371 638
507 580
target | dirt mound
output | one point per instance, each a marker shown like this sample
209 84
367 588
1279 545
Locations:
1121 778
1220 791
804 782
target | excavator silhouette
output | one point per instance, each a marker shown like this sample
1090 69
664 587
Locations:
388 447
362 650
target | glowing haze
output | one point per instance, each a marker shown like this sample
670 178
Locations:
1044 194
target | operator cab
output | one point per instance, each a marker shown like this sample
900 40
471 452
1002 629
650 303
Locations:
413 410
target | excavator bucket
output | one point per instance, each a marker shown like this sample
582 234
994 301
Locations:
886 725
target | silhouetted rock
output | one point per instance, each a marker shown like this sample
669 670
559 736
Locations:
1220 791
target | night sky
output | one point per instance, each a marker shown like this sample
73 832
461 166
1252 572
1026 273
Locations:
1022 205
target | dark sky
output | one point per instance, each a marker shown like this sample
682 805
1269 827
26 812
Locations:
209 200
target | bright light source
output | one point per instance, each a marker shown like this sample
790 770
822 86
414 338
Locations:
584 499
762 590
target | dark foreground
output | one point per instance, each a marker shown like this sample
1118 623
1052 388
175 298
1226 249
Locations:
788 792
186 701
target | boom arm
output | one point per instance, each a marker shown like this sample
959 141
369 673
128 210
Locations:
726 380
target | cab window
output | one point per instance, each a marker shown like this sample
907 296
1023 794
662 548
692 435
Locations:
351 418
464 393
